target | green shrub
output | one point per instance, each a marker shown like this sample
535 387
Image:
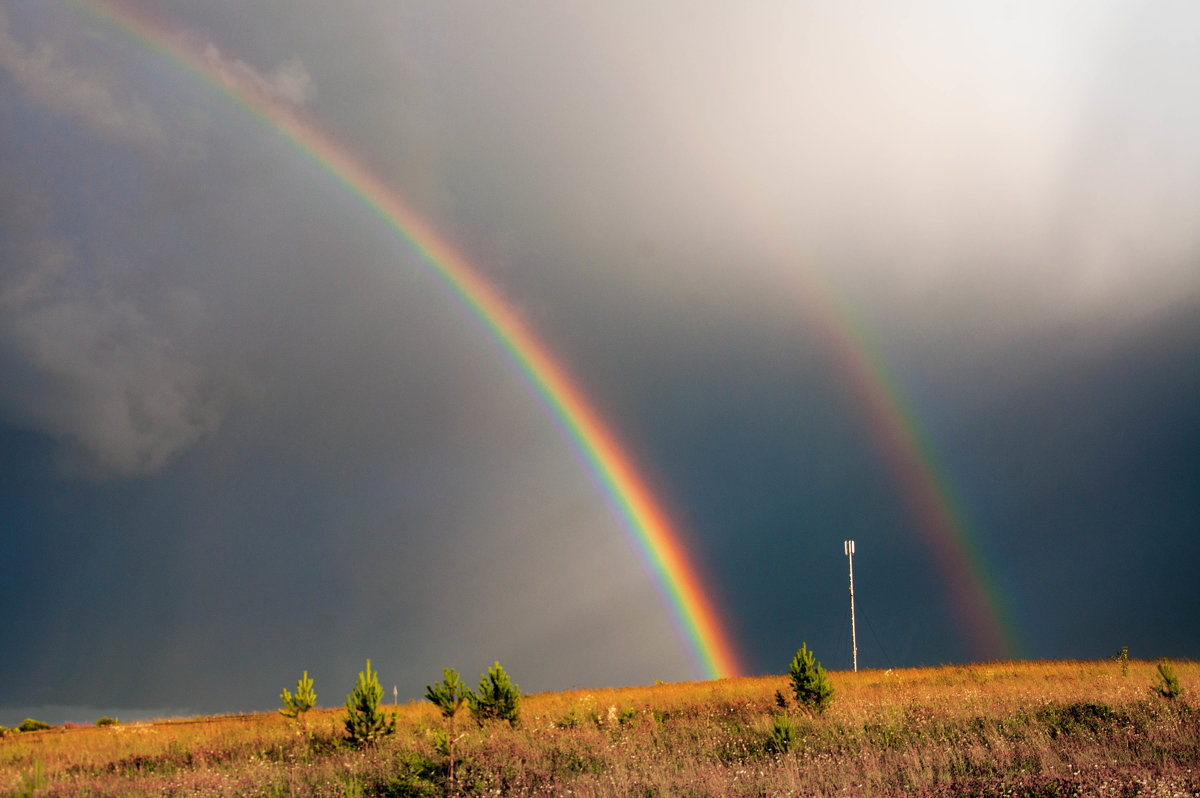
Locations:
294 706
106 721
449 694
365 722
498 698
29 724
1077 717
1167 685
1122 656
783 733
810 682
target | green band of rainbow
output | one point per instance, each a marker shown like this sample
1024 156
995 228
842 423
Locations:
652 534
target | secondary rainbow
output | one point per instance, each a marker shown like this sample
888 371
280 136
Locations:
898 434
896 431
895 428
649 528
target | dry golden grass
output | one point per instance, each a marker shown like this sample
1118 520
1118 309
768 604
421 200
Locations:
1039 728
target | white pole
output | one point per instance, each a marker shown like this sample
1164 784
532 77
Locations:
848 546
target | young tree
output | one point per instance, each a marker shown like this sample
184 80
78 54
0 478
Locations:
294 706
783 733
1167 684
498 698
1122 656
365 721
810 682
448 696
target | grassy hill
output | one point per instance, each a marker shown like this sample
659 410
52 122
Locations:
1038 728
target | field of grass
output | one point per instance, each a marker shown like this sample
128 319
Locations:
997 729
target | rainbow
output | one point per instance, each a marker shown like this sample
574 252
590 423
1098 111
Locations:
895 428
653 536
928 492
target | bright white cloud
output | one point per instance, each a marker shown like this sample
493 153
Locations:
1036 156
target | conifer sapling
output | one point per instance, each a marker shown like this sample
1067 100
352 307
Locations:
365 721
810 682
498 698
1167 685
294 706
448 696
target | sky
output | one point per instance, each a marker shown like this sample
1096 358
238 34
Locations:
921 275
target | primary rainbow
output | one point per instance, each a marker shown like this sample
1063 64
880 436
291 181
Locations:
652 533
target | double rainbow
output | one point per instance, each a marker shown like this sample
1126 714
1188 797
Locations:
894 427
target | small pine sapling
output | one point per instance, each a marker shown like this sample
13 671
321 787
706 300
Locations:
810 682
448 696
1122 657
365 721
498 698
1167 685
783 733
294 706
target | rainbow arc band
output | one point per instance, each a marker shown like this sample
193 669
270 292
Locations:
652 534
894 427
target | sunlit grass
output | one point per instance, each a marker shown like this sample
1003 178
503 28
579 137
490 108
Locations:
989 729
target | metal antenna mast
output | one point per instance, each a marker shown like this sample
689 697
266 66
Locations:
848 546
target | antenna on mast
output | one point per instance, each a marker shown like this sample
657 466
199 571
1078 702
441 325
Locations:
848 547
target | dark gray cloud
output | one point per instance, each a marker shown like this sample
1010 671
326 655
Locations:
87 364
245 430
